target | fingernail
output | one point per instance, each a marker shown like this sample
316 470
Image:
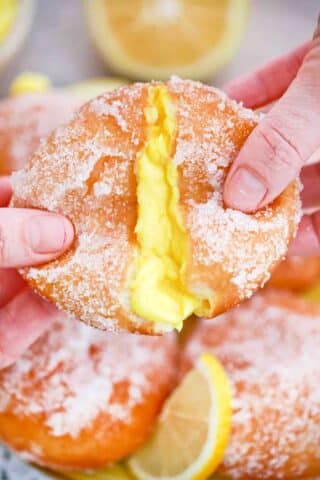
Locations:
49 233
245 191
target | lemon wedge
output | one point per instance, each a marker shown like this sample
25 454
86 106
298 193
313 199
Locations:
192 432
153 39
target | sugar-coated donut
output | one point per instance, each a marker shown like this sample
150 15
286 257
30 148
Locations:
81 398
270 347
25 120
140 173
296 273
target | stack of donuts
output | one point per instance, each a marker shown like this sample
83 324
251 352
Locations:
139 171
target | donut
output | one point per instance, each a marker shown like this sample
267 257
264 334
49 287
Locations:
140 171
296 273
25 119
81 398
270 348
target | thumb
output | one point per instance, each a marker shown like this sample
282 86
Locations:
282 143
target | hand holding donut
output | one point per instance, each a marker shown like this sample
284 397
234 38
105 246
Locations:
27 237
287 139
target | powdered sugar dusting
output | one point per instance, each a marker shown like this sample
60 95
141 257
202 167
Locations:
271 352
70 376
86 170
26 119
99 107
87 173
212 129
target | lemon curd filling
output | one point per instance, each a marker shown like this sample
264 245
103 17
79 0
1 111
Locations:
158 292
8 14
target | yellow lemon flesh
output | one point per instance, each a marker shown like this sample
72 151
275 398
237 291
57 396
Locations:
116 472
192 433
29 82
158 292
152 39
8 14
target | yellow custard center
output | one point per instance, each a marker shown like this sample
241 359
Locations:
158 291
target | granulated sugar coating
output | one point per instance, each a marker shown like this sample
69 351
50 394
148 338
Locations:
83 398
270 347
86 170
25 120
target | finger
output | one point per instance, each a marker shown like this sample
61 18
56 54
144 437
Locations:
310 177
11 283
279 146
31 237
22 321
307 241
315 158
5 191
269 82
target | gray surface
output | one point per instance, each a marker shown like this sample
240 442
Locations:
60 47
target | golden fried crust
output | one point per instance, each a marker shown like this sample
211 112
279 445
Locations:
231 253
86 170
81 398
270 348
296 273
26 119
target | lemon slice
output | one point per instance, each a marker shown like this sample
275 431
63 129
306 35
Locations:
15 21
192 432
153 39
116 472
93 87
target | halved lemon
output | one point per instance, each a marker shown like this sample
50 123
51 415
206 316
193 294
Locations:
15 21
153 39
192 432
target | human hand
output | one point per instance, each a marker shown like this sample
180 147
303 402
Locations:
284 141
27 237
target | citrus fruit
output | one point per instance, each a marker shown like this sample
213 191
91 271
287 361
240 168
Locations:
29 82
192 432
116 472
32 82
153 39
15 21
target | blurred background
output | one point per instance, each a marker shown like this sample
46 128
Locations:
60 43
